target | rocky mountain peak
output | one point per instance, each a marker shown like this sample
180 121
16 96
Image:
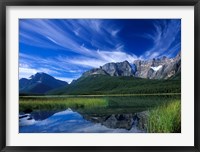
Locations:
118 69
160 68
112 69
39 75
156 68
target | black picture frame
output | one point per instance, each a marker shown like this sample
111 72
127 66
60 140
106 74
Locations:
5 3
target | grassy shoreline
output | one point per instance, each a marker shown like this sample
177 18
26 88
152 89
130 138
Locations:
166 118
103 95
137 103
63 103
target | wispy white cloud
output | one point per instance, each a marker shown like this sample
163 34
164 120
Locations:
116 56
174 48
29 65
93 41
91 31
119 47
114 32
163 37
86 62
52 32
101 58
26 72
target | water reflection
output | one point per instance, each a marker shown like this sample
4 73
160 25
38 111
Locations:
69 121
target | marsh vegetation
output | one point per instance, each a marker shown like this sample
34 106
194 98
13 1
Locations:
163 110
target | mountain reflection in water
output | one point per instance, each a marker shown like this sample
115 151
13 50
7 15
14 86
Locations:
69 121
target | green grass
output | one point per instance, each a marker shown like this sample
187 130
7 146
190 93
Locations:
166 118
95 104
60 103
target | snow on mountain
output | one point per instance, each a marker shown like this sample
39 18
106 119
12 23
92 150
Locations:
156 68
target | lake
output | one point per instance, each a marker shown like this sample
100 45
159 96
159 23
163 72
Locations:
88 114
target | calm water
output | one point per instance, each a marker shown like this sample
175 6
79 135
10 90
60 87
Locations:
66 121
122 115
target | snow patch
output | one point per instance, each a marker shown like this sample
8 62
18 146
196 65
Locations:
156 68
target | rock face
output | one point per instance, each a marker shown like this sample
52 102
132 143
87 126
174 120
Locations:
119 121
118 69
113 69
158 68
95 71
161 68
39 84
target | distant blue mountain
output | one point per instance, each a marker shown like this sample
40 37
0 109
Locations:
40 83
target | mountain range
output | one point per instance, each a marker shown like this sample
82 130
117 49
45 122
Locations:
163 68
39 83
141 76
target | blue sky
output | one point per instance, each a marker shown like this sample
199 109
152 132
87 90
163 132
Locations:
65 48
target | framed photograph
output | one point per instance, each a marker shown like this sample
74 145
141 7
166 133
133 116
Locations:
99 75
